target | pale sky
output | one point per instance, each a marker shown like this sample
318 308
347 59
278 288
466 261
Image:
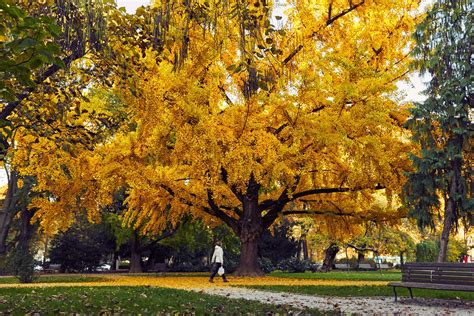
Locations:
132 5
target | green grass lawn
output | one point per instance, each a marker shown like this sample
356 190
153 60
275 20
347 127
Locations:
56 279
120 300
348 291
393 275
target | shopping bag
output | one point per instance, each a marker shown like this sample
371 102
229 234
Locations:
221 271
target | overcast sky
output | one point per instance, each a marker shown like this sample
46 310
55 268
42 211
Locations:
132 5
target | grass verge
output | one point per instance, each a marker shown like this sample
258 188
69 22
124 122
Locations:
120 300
348 291
394 275
56 279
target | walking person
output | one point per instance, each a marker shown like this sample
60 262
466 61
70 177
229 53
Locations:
217 262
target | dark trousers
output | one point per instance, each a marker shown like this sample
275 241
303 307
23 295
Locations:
214 269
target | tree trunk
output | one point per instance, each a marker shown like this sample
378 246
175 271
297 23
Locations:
450 209
305 248
8 211
401 257
113 266
447 227
251 230
135 255
329 257
27 230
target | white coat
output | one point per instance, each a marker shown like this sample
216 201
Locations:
218 256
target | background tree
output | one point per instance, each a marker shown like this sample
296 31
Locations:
443 175
46 54
83 247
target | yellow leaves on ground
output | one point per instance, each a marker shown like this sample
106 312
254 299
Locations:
195 283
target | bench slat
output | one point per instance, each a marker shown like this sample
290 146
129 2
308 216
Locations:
435 281
433 286
437 276
441 276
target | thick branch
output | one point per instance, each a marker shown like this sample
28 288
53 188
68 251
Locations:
319 212
217 212
331 19
361 249
277 206
331 190
11 106
169 233
234 190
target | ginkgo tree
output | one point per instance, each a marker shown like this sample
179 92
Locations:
240 116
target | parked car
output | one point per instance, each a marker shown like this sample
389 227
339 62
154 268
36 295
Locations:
103 267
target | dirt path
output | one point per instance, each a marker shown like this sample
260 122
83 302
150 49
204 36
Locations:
362 305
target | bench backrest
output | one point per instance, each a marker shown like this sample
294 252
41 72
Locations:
55 266
365 266
161 267
384 266
441 273
342 266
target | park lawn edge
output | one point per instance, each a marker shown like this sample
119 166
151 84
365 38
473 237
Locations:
131 299
360 291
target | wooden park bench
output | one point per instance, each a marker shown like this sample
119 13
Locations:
383 266
342 266
159 267
436 276
52 268
365 266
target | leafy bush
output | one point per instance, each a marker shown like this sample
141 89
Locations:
188 267
427 251
23 265
266 264
455 250
293 265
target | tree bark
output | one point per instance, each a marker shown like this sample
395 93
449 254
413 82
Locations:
401 257
447 227
135 255
27 230
450 209
8 211
251 230
305 247
329 257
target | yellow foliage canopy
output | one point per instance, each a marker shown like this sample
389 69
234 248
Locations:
240 120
